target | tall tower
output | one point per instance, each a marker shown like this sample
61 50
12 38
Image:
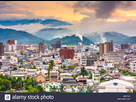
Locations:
1 49
104 47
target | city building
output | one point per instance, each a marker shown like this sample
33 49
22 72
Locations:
41 47
133 67
83 60
116 56
66 53
91 60
57 44
10 47
104 47
115 85
54 75
96 76
1 49
125 46
10 42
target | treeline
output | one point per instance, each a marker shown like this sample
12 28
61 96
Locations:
7 82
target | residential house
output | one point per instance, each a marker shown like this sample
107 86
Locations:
70 85
54 75
63 75
40 78
50 86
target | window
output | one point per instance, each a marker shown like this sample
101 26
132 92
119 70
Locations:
43 78
40 78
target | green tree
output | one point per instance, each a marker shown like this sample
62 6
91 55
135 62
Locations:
97 53
6 83
74 77
89 89
90 76
1 76
39 88
52 63
34 67
102 71
13 82
134 91
32 90
83 71
129 91
125 73
1 82
71 66
63 66
102 79
24 67
48 73
44 62
61 88
19 66
14 68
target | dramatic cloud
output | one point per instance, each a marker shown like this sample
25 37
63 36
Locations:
102 8
3 4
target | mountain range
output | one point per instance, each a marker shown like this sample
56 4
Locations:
117 38
27 38
88 38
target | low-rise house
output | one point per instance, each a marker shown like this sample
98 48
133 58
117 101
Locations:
50 86
81 79
54 75
66 70
70 85
13 59
63 75
115 85
107 77
40 77
17 74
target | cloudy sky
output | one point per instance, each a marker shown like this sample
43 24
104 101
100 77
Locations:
51 19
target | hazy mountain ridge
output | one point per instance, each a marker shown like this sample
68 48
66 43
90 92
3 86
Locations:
106 36
90 38
27 38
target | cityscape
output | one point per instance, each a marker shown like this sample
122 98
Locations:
71 53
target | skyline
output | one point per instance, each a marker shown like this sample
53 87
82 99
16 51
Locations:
62 18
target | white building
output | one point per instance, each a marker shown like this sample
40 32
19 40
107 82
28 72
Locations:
115 85
133 67
10 47
83 60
